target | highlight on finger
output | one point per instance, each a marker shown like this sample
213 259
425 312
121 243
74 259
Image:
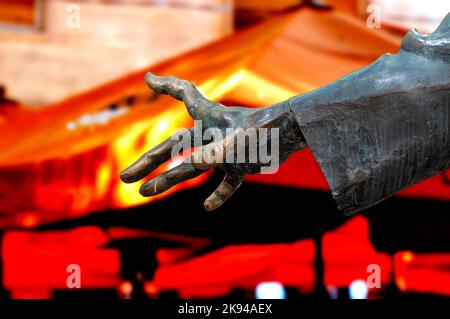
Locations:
228 186
166 180
153 158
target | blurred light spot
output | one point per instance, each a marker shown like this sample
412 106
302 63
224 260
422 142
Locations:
104 178
270 290
28 219
71 126
150 289
100 118
175 163
333 292
407 256
162 125
358 290
126 289
217 88
401 283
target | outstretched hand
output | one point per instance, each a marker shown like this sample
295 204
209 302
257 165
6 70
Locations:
232 123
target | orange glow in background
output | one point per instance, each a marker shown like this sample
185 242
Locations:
62 162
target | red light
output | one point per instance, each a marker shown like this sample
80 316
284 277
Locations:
126 289
150 289
422 272
28 219
407 256
401 283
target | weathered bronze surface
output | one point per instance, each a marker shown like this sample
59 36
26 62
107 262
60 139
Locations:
213 115
385 127
374 132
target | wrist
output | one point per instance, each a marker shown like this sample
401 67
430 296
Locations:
291 138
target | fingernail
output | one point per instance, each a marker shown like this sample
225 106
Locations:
125 177
149 77
153 187
211 204
208 206
146 189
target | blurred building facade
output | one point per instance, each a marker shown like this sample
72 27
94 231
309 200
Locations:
71 46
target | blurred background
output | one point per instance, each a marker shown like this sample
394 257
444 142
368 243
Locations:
74 111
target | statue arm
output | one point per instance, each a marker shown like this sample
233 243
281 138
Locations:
385 127
374 132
